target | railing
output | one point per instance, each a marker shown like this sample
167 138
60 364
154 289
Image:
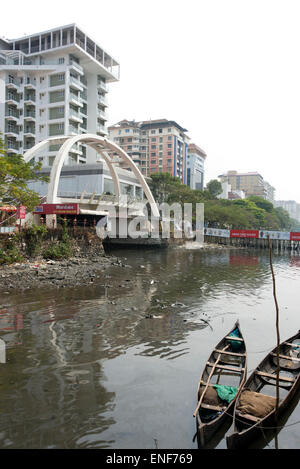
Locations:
76 82
73 63
13 97
13 113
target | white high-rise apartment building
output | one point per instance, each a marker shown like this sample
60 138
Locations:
54 83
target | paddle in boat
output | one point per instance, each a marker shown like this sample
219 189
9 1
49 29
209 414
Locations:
223 375
255 406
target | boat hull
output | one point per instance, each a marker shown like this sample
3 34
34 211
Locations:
243 438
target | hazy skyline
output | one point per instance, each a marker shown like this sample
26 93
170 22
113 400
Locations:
228 71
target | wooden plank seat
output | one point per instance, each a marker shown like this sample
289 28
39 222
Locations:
286 357
235 354
225 367
218 408
247 416
291 344
273 376
234 338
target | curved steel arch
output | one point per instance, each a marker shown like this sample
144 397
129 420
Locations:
100 144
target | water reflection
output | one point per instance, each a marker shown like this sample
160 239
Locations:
81 361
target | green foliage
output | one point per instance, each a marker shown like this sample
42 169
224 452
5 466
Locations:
214 187
10 252
262 203
58 250
253 212
11 255
15 173
33 237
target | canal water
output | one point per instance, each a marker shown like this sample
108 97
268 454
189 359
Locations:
116 364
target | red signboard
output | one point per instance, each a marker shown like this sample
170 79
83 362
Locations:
57 209
21 212
243 233
8 208
295 236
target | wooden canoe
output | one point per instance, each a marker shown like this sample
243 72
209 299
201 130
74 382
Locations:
247 426
226 366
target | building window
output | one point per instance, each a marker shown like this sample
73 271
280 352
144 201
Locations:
127 131
61 60
160 131
153 131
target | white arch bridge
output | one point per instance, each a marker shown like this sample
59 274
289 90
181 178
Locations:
108 151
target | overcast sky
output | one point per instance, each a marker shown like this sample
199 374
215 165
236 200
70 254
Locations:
226 70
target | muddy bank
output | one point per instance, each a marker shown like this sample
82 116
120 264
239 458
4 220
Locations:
80 270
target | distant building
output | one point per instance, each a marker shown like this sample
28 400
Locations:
195 167
159 146
291 206
250 183
54 83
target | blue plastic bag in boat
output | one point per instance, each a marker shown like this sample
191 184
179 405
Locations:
235 345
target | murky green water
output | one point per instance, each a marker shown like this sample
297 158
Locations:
116 364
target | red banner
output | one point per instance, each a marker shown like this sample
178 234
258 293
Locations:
243 233
21 212
8 208
295 236
59 209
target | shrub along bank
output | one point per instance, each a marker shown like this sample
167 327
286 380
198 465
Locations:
38 242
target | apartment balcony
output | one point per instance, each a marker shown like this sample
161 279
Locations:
12 146
30 85
75 116
28 145
13 84
101 114
12 132
101 129
29 116
73 130
29 133
76 84
76 67
74 99
102 100
12 115
12 99
76 150
102 86
29 100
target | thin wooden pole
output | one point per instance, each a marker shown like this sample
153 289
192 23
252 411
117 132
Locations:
207 382
277 332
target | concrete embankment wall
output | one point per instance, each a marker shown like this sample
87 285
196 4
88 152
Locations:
280 245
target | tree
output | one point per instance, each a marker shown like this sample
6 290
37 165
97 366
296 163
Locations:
262 203
214 187
162 185
15 173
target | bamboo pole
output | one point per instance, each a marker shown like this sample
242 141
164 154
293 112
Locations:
277 333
